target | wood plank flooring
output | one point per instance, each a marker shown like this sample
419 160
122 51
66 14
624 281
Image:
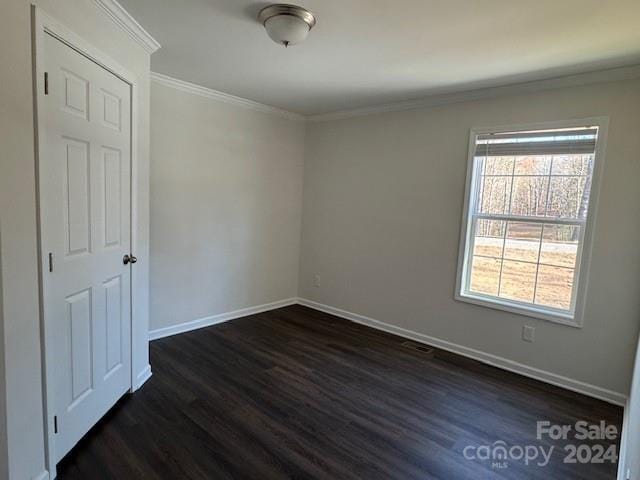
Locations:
296 393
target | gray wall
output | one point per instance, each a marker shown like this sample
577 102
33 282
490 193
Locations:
383 198
226 204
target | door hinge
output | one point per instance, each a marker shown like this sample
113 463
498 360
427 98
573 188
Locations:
46 83
55 424
50 262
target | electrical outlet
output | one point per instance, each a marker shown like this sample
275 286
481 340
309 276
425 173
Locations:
316 280
628 474
528 333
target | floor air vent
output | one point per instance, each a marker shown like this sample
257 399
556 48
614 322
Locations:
427 350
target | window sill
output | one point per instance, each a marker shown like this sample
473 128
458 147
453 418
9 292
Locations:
520 309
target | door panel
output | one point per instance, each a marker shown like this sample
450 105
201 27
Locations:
112 165
76 94
111 110
85 205
80 344
113 324
76 196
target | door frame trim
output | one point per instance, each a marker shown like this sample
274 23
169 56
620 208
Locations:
43 24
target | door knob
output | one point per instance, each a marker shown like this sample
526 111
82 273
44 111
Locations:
129 259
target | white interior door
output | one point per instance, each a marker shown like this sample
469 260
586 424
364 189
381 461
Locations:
85 198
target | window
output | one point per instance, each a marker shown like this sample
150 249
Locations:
528 217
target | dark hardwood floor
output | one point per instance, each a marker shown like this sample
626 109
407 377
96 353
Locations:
295 393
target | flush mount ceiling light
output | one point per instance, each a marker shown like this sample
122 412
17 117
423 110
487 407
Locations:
287 24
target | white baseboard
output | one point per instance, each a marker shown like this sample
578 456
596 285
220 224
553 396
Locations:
215 319
141 378
574 385
44 475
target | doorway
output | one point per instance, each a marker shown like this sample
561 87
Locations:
84 119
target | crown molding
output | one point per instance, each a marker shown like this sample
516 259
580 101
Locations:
126 22
600 76
192 88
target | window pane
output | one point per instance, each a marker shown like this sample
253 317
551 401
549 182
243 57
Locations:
489 238
497 165
529 196
568 197
572 165
494 194
485 275
530 207
533 165
518 281
560 245
523 241
554 287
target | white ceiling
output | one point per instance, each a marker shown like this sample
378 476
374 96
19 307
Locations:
370 52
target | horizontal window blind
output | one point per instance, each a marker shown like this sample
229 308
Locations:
561 142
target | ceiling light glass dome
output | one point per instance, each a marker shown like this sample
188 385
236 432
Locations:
287 24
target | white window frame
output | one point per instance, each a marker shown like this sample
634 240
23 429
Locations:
572 318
